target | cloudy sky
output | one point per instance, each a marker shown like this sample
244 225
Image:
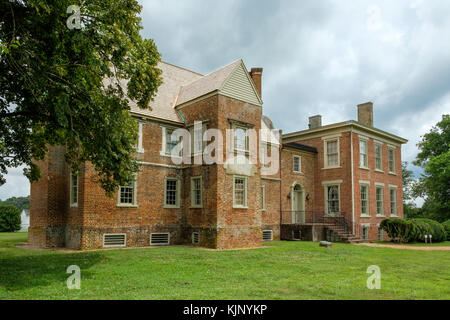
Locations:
319 57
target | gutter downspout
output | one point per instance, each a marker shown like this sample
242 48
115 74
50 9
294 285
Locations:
352 178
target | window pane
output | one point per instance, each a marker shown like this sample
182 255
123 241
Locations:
332 153
127 194
240 135
296 164
333 199
197 191
378 157
239 191
363 199
171 192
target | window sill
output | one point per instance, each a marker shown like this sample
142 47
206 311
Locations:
381 216
298 172
75 205
333 167
169 155
392 173
171 207
378 170
240 207
364 168
127 205
365 216
140 151
394 216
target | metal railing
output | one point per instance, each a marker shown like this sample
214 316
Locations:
338 220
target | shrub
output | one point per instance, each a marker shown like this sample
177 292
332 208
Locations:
446 226
9 219
436 229
413 230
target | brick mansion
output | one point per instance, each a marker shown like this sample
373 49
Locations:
333 182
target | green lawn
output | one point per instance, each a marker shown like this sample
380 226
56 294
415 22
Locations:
418 244
283 270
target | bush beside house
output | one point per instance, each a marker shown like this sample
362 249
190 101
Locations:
446 225
9 219
413 230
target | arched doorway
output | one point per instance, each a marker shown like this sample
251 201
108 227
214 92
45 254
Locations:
298 203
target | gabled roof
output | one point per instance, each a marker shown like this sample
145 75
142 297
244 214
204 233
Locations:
173 79
231 80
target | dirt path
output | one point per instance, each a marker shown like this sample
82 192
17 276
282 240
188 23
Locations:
403 247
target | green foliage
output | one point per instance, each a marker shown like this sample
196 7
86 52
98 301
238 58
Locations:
411 211
413 230
59 86
18 202
433 228
407 181
9 219
434 157
446 226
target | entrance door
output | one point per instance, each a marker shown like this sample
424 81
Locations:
298 205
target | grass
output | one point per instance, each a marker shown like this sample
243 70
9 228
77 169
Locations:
282 270
418 244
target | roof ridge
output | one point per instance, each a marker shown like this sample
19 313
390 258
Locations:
182 68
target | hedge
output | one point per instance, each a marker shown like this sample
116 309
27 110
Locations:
413 230
9 219
446 225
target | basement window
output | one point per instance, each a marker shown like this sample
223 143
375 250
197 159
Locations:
160 239
195 238
267 235
114 240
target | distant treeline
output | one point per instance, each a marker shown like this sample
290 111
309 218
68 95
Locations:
19 202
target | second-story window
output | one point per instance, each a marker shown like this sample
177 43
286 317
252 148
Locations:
378 157
297 164
391 160
240 139
363 154
332 153
171 142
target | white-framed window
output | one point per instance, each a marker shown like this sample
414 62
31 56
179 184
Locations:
169 141
331 156
379 156
240 138
73 190
332 199
379 194
171 192
297 164
139 147
263 197
363 147
365 232
127 195
364 195
391 158
393 200
196 192
239 192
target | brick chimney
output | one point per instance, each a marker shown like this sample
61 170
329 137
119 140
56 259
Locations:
315 122
256 75
365 114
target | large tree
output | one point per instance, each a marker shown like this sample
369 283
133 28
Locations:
434 157
59 84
